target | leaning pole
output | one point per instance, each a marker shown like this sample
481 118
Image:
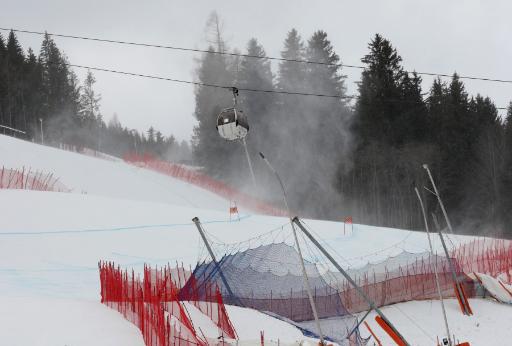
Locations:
466 309
435 267
400 339
301 259
212 255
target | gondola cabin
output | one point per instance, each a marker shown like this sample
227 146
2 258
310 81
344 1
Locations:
232 124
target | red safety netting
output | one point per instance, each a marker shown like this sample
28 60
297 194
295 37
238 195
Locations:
161 319
191 176
206 296
155 307
29 180
413 283
489 256
268 278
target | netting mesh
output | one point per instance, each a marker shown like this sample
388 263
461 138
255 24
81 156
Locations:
269 278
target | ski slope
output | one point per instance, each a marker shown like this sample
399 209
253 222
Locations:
422 321
50 243
89 175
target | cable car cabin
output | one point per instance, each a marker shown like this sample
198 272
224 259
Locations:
232 124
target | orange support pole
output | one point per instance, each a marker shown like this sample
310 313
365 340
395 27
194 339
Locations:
390 331
372 333
463 300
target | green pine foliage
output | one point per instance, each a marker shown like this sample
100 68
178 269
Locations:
216 155
43 91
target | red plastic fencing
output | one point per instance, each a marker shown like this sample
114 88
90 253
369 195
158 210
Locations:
155 307
191 176
29 180
414 281
489 256
161 319
207 298
417 284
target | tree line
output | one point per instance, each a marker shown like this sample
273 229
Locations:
364 158
336 157
41 96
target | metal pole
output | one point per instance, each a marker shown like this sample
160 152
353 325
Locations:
448 223
349 279
301 259
425 166
210 251
42 135
452 267
435 267
244 143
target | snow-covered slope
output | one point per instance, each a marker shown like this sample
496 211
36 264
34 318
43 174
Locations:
50 243
90 175
49 322
421 322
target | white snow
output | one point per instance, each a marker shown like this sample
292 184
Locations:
50 244
91 175
248 323
421 322
52 322
501 292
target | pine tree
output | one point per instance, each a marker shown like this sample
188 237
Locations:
33 100
506 176
413 118
60 92
292 74
55 75
389 126
483 198
90 120
378 107
455 139
13 63
89 100
260 108
214 154
324 131
287 136
3 82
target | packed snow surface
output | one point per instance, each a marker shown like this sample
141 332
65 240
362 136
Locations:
421 322
56 321
50 244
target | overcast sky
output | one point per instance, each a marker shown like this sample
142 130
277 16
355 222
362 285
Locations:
470 37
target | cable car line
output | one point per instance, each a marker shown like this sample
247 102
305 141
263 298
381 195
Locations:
195 50
134 74
268 91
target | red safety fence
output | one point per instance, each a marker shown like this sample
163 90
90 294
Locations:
159 323
409 287
489 256
29 180
415 281
206 297
154 305
192 176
